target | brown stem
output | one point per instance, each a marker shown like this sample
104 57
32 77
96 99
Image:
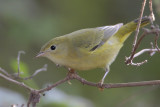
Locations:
35 94
16 82
155 31
18 61
138 26
151 11
54 85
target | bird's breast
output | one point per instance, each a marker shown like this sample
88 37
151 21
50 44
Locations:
80 60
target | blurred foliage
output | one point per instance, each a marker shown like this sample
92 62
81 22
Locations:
24 72
10 97
58 98
157 6
23 68
28 24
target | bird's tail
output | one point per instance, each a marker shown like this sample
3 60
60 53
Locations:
128 28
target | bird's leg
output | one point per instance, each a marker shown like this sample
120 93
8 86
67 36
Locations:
106 72
71 70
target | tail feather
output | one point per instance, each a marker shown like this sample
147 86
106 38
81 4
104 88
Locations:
128 28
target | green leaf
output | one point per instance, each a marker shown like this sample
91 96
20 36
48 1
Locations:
24 72
23 68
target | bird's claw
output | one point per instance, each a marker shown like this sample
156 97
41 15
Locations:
100 85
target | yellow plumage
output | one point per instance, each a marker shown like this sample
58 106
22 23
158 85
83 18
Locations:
89 48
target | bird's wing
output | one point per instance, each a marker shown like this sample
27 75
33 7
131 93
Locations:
110 30
92 38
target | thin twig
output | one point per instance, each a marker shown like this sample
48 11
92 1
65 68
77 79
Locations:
35 94
44 68
130 61
54 85
108 85
4 72
16 82
156 41
18 61
137 29
117 85
132 84
77 77
143 51
155 31
151 53
151 11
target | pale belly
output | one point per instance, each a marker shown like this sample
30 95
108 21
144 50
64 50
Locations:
90 61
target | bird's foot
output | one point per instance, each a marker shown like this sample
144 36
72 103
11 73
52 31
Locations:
100 85
71 74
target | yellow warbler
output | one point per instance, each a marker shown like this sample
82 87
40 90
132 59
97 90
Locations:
90 48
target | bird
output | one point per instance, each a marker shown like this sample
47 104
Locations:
90 48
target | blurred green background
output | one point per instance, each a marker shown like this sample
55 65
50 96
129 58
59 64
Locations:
29 24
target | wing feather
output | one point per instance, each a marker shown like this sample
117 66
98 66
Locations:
93 38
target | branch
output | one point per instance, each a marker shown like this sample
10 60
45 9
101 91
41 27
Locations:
35 94
16 82
44 68
54 85
143 51
138 26
154 30
4 72
129 60
115 85
17 75
75 76
151 11
18 61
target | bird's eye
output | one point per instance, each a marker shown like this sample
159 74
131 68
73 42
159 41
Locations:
53 47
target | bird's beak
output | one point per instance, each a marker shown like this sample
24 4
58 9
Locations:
40 54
